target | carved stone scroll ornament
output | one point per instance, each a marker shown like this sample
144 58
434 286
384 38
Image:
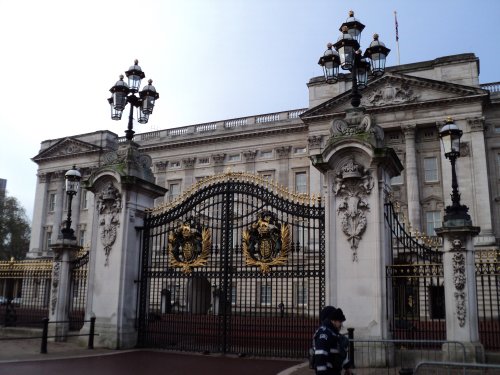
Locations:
459 280
109 205
352 186
56 270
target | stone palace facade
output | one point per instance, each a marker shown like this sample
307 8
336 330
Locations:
410 103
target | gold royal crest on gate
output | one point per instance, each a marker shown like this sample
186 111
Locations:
189 246
266 243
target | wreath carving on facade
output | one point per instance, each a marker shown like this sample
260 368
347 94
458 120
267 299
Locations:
189 246
266 244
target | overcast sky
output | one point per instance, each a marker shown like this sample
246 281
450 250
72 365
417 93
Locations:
209 59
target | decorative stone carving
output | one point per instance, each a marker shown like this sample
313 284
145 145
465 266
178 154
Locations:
409 131
284 151
43 178
476 124
459 280
109 206
356 122
352 186
250 155
464 148
161 166
315 141
188 162
397 94
218 158
132 158
56 270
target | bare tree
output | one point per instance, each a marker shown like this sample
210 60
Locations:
15 229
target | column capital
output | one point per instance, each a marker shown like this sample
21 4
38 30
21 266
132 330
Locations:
250 155
188 162
283 151
476 124
409 130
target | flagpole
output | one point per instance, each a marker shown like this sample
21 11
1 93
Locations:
397 33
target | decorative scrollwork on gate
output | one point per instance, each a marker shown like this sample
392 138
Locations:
266 243
189 246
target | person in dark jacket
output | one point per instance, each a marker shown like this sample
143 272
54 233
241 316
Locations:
330 352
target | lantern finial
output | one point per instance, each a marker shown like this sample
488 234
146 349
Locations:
351 13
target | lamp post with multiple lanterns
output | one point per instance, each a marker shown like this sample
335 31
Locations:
123 93
346 54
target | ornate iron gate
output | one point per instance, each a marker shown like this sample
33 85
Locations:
235 265
415 284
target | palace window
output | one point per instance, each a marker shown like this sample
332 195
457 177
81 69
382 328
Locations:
300 182
397 180
431 169
174 190
299 150
51 205
204 160
267 175
85 200
175 164
266 292
48 238
81 237
234 157
301 293
267 154
436 294
432 221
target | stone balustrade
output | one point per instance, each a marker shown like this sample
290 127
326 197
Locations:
224 125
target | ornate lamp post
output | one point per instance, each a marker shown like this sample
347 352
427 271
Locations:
348 56
72 178
124 93
450 135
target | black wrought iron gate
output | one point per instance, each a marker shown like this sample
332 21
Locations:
236 265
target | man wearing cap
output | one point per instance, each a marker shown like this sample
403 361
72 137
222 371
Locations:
330 352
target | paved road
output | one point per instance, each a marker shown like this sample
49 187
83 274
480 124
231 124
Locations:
23 358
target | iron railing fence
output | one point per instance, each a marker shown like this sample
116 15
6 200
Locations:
415 287
25 288
451 368
395 356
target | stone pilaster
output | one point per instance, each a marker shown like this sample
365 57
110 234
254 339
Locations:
412 183
480 188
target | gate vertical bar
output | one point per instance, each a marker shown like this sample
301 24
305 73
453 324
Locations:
227 242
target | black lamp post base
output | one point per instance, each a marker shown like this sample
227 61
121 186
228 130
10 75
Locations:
68 234
456 215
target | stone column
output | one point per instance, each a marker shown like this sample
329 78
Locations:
188 164
412 183
39 215
64 252
315 176
460 291
218 160
250 161
59 209
283 169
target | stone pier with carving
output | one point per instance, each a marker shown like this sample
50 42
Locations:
123 188
357 169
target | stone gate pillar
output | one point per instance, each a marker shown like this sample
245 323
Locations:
123 190
460 289
65 251
357 169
